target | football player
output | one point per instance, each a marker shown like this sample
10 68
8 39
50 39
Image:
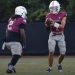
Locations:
55 21
15 36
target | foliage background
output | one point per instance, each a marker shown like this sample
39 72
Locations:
37 9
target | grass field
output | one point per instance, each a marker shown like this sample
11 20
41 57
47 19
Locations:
38 66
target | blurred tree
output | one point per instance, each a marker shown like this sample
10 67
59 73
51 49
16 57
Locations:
64 3
37 9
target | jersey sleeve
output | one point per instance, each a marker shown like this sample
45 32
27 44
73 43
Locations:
22 24
64 14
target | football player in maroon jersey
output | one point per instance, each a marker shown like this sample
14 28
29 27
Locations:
56 20
15 36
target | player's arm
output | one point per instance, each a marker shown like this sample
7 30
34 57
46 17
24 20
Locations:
6 33
22 34
63 23
47 23
5 40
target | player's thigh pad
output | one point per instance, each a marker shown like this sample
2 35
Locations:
62 45
16 48
51 44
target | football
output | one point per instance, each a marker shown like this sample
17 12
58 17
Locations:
48 22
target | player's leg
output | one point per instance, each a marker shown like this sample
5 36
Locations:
51 46
14 60
62 48
16 50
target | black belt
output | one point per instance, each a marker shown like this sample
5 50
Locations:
54 34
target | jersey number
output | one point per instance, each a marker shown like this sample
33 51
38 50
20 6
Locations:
10 25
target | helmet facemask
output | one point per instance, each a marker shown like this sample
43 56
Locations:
24 15
54 9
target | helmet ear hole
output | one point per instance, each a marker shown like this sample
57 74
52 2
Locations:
22 13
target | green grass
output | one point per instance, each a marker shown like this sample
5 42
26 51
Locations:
38 66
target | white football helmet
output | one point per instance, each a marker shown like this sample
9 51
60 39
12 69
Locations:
54 7
21 10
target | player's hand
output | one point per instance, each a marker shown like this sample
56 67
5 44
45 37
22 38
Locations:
3 46
49 22
56 25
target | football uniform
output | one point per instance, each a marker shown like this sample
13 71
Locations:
13 34
56 34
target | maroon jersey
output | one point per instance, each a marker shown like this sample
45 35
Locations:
56 18
13 28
